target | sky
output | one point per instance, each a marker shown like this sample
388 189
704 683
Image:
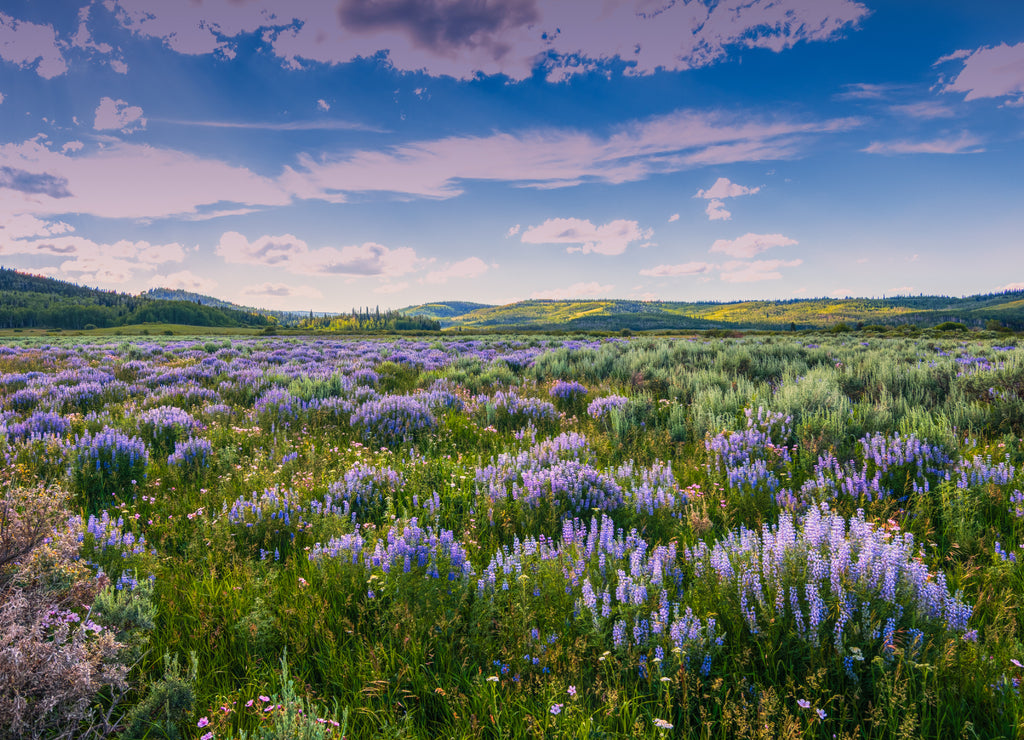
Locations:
314 155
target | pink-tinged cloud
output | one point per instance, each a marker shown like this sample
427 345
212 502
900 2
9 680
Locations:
725 188
389 288
673 218
553 158
26 44
471 267
750 245
291 254
183 280
962 144
988 72
610 239
576 290
716 211
115 179
1009 287
118 115
756 271
463 38
686 268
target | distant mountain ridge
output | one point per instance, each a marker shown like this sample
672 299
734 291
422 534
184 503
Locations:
28 300
1007 309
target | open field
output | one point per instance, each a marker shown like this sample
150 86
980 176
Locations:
276 537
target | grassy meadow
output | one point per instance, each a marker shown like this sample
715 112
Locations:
532 537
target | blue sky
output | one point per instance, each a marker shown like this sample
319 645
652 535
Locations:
324 155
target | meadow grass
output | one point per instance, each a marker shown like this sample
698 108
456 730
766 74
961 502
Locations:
524 536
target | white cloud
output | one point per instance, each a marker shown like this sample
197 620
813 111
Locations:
471 267
725 188
72 146
673 218
686 268
1 98
118 115
512 231
26 44
716 211
323 105
183 280
280 290
119 66
291 254
1009 287
576 290
611 238
924 109
756 271
553 158
962 144
88 261
749 245
866 91
511 37
988 72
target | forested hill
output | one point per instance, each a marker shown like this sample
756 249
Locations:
32 301
285 318
1005 310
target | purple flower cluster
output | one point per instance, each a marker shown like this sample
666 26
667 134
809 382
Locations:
830 575
568 390
163 426
190 456
603 406
393 419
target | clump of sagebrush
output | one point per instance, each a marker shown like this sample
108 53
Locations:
55 659
167 704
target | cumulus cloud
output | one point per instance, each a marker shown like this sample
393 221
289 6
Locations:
183 280
26 226
118 115
576 290
512 231
716 211
463 38
725 188
962 144
29 44
987 72
736 271
1009 287
1 98
280 290
91 262
289 253
582 236
686 268
749 245
673 218
471 267
323 105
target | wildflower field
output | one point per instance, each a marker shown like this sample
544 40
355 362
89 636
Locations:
776 536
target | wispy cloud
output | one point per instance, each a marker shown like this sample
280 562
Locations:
962 144
315 125
680 270
749 245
